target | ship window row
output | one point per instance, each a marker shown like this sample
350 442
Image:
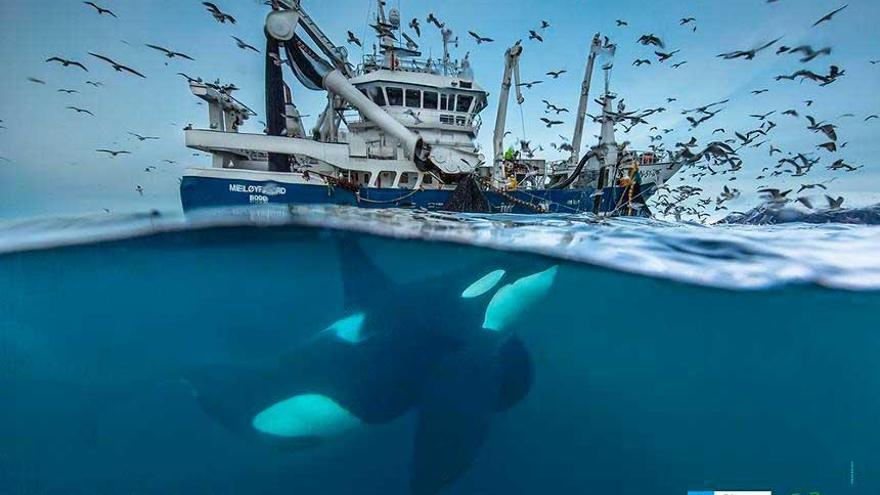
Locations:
414 98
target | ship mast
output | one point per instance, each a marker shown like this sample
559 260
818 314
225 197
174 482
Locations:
447 40
385 26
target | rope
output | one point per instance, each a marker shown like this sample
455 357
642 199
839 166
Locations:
378 202
630 201
562 205
356 190
511 198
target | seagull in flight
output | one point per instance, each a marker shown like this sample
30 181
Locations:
81 110
67 63
142 138
828 16
170 53
117 66
747 54
100 10
834 204
113 153
809 53
480 39
664 56
414 24
352 39
244 46
218 14
529 84
650 39
416 118
433 20
556 74
190 79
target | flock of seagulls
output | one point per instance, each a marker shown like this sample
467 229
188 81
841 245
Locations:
126 69
720 156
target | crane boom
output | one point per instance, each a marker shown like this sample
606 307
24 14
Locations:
511 71
337 54
595 47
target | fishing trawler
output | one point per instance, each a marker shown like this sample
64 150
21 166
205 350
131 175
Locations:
400 131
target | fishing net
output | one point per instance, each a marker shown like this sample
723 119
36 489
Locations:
468 198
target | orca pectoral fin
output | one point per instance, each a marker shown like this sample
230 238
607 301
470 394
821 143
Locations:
457 405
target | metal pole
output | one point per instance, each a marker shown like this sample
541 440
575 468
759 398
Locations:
275 104
582 104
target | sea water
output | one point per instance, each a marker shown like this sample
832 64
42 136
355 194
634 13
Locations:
667 357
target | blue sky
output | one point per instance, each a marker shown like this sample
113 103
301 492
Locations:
50 166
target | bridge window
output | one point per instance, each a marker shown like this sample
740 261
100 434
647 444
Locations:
430 100
463 104
377 95
413 98
395 96
447 119
444 102
480 105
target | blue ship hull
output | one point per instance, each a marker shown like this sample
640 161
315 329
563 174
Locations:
207 192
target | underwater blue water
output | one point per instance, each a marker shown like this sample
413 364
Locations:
667 357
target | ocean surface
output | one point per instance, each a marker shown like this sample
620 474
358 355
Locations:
666 357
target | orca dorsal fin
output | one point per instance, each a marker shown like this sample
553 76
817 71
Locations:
360 275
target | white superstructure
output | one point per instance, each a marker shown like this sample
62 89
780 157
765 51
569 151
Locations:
395 120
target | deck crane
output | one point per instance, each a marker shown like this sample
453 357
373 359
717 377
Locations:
511 77
280 25
595 49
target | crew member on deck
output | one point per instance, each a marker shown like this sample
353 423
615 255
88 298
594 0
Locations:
511 182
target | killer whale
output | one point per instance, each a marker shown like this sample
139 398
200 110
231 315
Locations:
445 348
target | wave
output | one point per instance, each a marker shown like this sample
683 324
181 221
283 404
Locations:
737 257
768 214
